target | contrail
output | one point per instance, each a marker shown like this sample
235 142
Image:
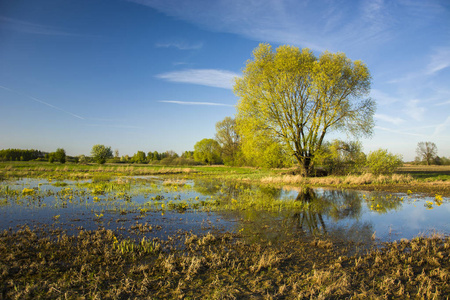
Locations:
42 102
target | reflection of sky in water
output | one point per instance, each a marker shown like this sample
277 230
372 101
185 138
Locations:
343 214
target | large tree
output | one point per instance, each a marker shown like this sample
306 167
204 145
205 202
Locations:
295 98
426 151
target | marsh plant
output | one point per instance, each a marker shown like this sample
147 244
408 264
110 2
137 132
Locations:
98 264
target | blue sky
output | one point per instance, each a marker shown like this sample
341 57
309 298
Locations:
157 74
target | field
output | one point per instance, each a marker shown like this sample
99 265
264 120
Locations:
121 232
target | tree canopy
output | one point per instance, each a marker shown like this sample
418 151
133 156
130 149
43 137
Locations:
100 153
207 151
229 141
292 98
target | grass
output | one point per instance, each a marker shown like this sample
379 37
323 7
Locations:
426 173
98 264
46 263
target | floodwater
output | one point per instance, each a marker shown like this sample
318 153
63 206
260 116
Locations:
158 207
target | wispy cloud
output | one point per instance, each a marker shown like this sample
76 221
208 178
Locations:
195 103
382 97
398 131
442 128
389 119
413 110
43 102
443 103
319 25
209 77
180 45
33 28
115 126
439 60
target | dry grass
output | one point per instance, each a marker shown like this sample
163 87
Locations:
363 179
41 264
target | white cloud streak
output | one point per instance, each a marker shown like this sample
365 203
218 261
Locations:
338 24
33 28
180 45
44 103
389 119
208 77
398 131
439 60
195 103
441 128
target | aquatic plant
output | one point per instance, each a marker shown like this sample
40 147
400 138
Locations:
28 192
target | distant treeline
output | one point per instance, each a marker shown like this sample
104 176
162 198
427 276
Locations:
163 158
21 155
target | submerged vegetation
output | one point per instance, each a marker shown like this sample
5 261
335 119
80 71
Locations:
213 232
426 179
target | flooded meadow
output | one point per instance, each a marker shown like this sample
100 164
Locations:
199 205
175 237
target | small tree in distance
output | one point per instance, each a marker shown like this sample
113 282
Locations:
100 153
229 141
60 155
207 151
426 151
140 157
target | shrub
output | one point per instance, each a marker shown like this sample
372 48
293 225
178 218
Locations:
60 155
383 162
100 153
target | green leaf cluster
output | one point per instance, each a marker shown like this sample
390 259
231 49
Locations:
207 151
100 153
383 162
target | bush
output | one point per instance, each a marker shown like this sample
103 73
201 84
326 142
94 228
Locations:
60 155
383 162
101 153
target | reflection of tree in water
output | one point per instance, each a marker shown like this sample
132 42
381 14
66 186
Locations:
334 205
342 204
232 189
319 214
207 187
310 219
383 202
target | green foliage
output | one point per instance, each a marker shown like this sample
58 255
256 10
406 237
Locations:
60 155
383 162
20 155
443 161
100 153
82 159
51 157
207 151
229 141
291 97
188 155
341 158
152 156
139 157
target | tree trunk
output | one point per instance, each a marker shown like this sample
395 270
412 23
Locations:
306 162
